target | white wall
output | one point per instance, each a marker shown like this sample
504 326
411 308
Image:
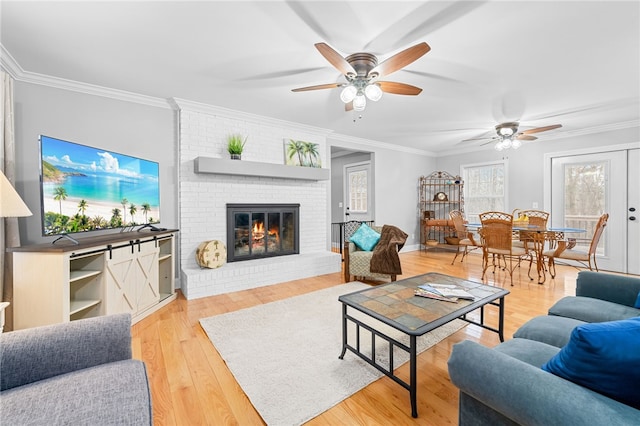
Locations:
396 183
526 164
125 127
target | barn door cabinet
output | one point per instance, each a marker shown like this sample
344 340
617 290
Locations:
130 272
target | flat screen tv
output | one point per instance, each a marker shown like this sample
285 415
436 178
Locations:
83 188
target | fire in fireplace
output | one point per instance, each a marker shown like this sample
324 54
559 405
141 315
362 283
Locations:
261 230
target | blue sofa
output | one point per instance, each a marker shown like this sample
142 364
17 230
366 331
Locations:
505 385
74 373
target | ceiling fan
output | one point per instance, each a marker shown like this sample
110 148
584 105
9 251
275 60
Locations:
509 137
362 72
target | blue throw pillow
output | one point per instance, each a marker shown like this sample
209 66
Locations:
637 305
604 357
365 238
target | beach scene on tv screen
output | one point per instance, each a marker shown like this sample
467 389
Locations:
85 188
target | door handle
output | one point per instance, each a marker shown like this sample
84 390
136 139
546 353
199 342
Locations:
632 209
632 218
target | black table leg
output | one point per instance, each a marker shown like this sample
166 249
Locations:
501 320
413 388
344 331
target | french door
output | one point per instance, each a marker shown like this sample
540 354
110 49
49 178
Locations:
583 187
633 212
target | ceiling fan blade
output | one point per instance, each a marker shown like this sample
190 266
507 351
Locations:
399 88
336 59
400 60
348 106
479 139
541 129
318 87
280 74
488 142
523 137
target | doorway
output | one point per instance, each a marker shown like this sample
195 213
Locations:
583 186
358 165
344 161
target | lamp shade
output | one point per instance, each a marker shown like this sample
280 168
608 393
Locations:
359 102
11 205
373 92
348 93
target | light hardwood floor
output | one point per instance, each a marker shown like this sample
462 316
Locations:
191 385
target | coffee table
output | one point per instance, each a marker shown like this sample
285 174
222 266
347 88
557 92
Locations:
396 305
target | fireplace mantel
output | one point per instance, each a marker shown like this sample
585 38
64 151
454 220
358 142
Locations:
253 168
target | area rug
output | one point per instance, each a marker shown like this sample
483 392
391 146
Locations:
284 354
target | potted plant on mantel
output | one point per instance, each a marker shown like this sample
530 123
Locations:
235 145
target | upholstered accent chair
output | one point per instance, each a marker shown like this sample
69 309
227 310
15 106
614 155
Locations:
73 373
357 262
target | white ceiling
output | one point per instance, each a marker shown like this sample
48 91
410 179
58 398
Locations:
576 63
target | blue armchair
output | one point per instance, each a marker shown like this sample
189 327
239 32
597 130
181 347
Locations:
79 373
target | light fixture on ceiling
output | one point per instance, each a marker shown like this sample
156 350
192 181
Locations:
358 90
506 143
363 73
508 138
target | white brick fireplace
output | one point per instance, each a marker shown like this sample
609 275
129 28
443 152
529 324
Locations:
204 196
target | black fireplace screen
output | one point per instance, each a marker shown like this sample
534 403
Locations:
261 230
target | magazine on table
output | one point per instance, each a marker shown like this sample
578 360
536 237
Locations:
424 293
447 290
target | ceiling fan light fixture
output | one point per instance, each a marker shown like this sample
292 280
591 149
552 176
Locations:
498 146
348 94
373 92
359 102
515 144
505 131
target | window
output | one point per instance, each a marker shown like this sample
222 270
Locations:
484 189
357 181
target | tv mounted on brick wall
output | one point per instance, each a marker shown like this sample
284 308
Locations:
84 189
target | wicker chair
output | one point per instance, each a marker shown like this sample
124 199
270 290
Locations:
496 234
357 263
464 237
562 251
536 218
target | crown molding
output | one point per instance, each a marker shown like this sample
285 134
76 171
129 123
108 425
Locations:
11 66
595 129
186 105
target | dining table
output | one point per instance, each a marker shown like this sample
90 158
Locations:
537 237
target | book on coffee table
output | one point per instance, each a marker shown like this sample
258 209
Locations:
425 293
447 290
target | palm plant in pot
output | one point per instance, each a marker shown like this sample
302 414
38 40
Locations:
235 145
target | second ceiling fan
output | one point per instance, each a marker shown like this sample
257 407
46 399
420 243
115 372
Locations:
362 72
508 135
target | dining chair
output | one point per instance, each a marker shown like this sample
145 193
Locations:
465 237
496 233
563 250
535 218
